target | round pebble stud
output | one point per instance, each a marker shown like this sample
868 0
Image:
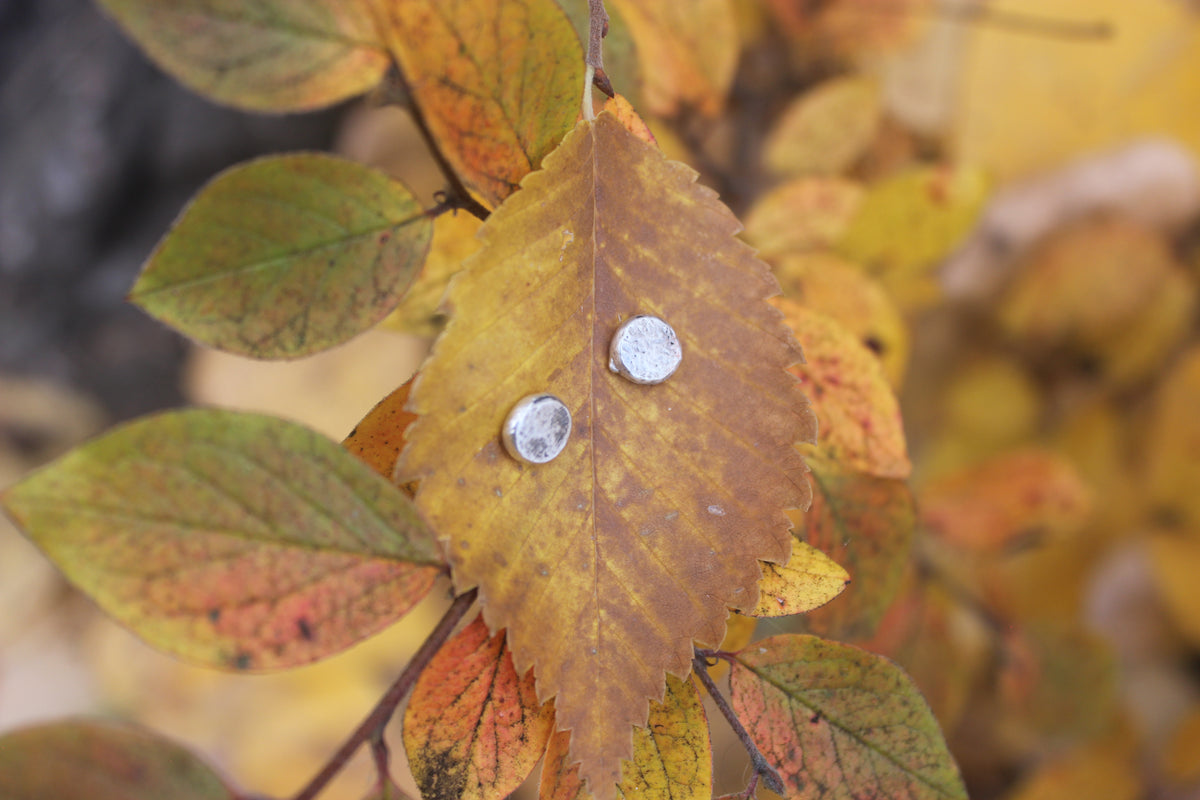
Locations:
645 350
537 429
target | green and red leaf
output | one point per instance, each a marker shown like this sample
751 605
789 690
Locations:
271 55
839 722
230 539
91 760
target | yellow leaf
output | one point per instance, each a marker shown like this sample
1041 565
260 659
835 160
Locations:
810 580
652 520
909 222
672 757
833 286
1104 769
803 214
1181 757
420 310
1033 102
688 52
825 130
1172 471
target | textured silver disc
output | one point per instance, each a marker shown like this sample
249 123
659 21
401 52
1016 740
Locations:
645 350
537 429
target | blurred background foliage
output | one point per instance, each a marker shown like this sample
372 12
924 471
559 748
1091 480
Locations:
999 202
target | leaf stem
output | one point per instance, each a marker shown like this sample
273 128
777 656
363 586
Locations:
597 30
458 193
763 768
372 727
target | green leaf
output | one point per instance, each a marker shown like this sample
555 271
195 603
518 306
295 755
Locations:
90 760
269 55
839 722
230 539
285 256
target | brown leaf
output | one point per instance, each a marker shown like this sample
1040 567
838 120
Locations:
652 520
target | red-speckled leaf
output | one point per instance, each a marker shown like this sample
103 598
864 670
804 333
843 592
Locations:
474 729
866 524
230 539
839 722
859 418
268 55
285 256
499 83
672 756
92 760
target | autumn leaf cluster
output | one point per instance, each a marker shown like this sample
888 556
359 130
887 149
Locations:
985 455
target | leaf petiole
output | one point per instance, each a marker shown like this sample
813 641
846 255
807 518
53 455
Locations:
762 768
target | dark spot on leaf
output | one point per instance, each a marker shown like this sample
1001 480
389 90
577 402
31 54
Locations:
242 661
305 629
353 433
441 775
815 718
214 615
874 344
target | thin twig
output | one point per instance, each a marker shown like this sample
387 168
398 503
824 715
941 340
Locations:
386 707
458 192
762 767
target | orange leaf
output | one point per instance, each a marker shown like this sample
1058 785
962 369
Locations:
275 55
379 438
1008 500
498 83
623 111
672 757
651 522
688 52
474 729
859 417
